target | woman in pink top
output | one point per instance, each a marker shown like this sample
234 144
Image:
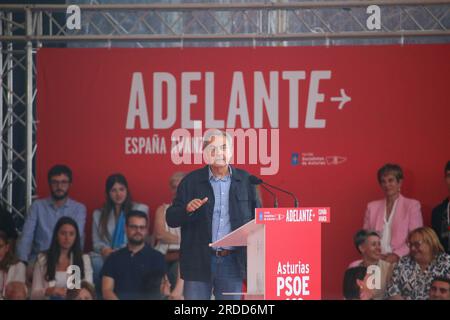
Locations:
394 216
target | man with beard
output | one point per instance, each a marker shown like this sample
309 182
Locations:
44 213
210 203
137 271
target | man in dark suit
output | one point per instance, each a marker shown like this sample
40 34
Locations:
210 203
440 217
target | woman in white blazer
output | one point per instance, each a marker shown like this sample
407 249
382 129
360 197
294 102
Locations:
63 265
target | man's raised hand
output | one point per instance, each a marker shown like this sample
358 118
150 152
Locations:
195 204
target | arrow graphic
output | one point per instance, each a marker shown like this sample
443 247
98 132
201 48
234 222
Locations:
343 99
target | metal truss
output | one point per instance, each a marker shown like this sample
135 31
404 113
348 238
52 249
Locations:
16 114
24 28
218 22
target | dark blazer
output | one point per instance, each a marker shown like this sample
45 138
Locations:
196 235
439 221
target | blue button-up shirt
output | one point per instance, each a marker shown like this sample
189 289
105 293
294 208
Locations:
41 220
221 225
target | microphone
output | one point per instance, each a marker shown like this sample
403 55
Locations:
256 181
259 181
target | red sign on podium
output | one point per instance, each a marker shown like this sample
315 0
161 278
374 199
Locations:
283 253
293 251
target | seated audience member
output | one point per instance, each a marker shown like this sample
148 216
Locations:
126 272
369 246
168 241
440 289
50 271
86 292
394 216
440 218
108 228
12 271
44 213
355 284
7 224
412 276
16 290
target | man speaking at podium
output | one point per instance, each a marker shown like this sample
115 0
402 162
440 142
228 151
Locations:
210 203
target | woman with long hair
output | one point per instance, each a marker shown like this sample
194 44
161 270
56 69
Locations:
51 269
108 227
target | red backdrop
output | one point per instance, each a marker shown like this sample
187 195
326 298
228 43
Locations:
398 112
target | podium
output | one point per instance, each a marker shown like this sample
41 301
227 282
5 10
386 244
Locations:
283 253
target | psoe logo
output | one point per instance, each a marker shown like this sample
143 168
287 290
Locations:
335 160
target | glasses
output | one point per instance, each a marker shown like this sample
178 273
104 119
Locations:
415 244
211 148
61 183
135 227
